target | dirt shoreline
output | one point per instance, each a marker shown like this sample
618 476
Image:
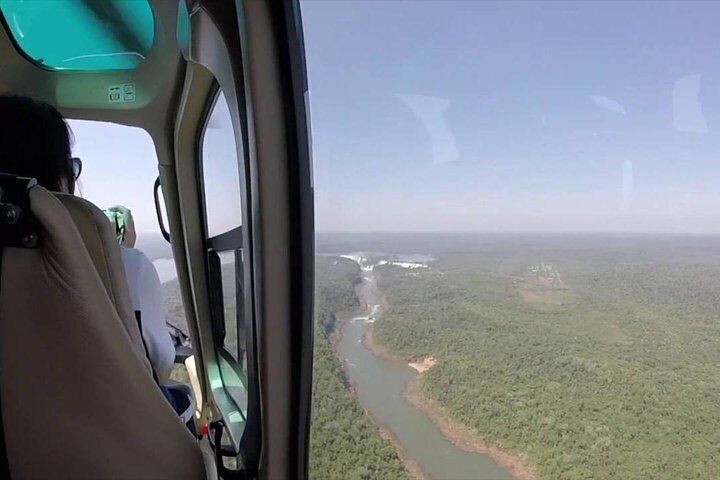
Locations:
460 435
422 366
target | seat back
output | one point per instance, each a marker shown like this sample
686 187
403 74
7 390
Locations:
101 243
78 398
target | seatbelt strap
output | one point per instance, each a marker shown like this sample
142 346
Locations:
138 317
4 465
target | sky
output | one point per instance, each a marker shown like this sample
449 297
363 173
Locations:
480 116
511 116
120 168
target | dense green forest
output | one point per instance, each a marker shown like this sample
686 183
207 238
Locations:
344 442
597 358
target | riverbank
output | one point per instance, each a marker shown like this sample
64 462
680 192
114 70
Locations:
460 435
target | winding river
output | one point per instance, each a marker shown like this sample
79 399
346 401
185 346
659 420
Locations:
380 384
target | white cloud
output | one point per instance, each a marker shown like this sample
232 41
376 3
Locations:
608 104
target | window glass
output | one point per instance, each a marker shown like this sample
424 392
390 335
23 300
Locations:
230 290
183 26
81 35
518 216
223 206
223 214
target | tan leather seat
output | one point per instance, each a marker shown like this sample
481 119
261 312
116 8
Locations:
78 397
101 243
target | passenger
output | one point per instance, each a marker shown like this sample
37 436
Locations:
35 141
147 300
145 293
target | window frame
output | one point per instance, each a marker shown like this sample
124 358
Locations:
232 240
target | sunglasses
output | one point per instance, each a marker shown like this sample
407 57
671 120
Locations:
76 165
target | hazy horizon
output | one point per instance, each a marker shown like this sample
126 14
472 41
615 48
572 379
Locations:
156 234
515 232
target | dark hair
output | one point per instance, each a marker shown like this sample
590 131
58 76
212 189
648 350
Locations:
35 142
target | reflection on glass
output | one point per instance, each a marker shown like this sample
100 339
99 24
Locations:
227 262
233 358
220 172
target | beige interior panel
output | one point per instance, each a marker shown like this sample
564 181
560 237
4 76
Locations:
180 184
84 94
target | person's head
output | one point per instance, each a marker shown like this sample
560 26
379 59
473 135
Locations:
35 141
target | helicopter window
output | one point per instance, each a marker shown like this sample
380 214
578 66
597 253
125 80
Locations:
96 35
230 291
220 172
103 146
518 202
223 219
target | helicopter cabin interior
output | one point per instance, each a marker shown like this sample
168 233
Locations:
78 399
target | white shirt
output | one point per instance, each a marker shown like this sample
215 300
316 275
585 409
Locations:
146 295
